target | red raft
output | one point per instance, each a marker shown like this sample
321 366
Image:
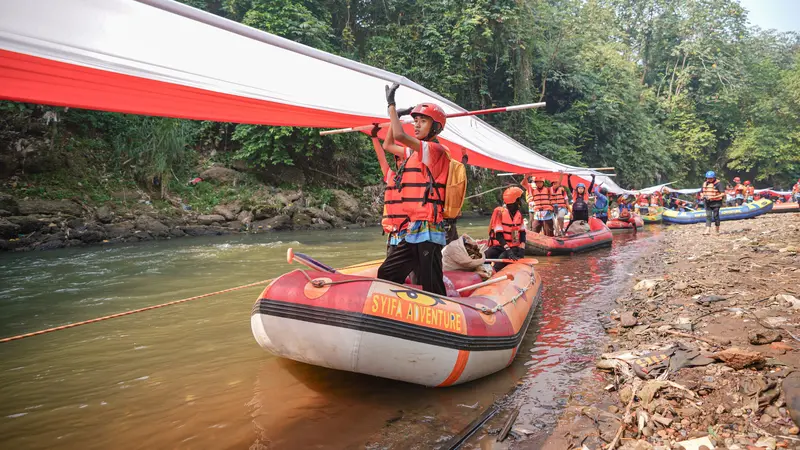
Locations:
623 225
785 207
350 320
598 236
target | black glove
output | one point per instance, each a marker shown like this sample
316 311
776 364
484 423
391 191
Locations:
512 255
375 129
390 94
404 111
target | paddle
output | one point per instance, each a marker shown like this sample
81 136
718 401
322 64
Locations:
486 283
308 261
512 261
449 116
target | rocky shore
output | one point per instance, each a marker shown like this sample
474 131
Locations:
702 351
36 224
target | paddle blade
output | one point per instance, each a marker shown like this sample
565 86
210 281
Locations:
528 261
308 261
512 261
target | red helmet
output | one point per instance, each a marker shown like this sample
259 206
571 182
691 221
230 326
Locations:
737 180
747 183
435 112
511 195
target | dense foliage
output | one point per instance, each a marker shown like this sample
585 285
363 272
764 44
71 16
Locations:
663 90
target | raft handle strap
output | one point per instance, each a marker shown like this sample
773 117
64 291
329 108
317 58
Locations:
322 282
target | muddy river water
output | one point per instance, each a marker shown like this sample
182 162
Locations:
192 376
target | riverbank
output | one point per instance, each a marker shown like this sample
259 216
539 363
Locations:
41 224
698 347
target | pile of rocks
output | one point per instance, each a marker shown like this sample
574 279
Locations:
28 224
703 348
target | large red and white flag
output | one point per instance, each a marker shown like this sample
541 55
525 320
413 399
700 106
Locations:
163 58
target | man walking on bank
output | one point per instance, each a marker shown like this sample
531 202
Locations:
713 193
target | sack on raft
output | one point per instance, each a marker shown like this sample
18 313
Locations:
462 254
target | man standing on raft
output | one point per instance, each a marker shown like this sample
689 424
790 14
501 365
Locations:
542 205
713 193
395 220
421 181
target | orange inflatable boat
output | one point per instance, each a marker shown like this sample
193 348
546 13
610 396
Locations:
350 320
598 236
785 207
623 225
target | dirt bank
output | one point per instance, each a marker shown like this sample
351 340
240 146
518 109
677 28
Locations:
713 323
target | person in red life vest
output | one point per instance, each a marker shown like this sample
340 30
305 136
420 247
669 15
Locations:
421 180
507 230
560 200
655 200
625 213
749 191
713 194
542 207
450 225
395 220
643 203
580 202
738 191
796 192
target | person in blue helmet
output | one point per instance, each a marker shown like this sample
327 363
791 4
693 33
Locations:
713 193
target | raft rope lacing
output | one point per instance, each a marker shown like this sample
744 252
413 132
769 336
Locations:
322 282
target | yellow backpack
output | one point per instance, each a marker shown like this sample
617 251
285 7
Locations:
455 188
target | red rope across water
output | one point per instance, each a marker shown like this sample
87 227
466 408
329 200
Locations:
127 313
147 308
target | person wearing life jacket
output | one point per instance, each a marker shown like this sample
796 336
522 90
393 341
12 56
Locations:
730 196
643 204
625 213
580 202
421 181
600 205
749 191
507 230
713 194
451 225
700 201
738 190
796 192
542 206
560 201
655 200
394 220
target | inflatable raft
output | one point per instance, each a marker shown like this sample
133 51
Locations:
350 320
654 215
785 207
598 236
746 211
620 225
